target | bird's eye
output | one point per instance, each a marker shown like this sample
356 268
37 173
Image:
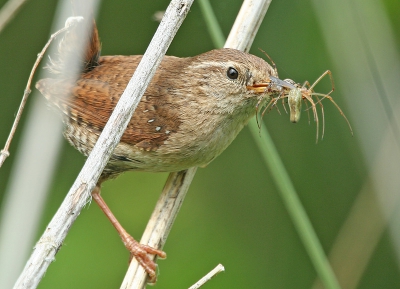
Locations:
232 73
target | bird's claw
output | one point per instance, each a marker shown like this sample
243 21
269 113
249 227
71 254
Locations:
142 255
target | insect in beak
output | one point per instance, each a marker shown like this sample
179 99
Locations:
296 93
295 98
281 83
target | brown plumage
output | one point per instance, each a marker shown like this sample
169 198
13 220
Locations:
192 110
188 115
93 97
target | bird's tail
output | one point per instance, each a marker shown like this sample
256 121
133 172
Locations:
69 49
57 90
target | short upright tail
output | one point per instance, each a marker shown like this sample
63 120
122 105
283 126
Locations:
58 90
69 49
93 49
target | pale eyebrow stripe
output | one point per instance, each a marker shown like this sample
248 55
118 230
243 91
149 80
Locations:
207 64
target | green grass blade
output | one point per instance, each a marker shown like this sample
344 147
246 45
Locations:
293 205
213 27
280 175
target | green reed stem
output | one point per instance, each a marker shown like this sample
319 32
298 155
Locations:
293 205
280 176
213 27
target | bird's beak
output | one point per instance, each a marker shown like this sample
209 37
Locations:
272 84
259 87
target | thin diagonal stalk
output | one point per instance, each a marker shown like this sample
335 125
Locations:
79 194
369 86
293 205
213 27
8 11
282 180
241 37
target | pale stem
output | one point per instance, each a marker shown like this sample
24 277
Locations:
79 194
8 11
220 268
4 153
241 37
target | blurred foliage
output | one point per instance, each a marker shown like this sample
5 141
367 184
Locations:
233 214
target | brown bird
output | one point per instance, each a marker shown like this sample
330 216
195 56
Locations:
192 110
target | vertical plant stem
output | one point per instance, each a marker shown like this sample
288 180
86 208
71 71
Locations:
241 37
213 27
282 180
293 205
79 194
160 223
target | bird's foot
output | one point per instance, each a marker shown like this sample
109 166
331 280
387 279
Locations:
141 253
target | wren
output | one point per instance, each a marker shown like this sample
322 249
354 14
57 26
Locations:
192 110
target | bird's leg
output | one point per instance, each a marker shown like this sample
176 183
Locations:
137 250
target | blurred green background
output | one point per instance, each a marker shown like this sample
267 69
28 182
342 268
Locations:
233 213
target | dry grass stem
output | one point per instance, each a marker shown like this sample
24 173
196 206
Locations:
4 153
241 37
79 194
8 11
160 223
220 268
